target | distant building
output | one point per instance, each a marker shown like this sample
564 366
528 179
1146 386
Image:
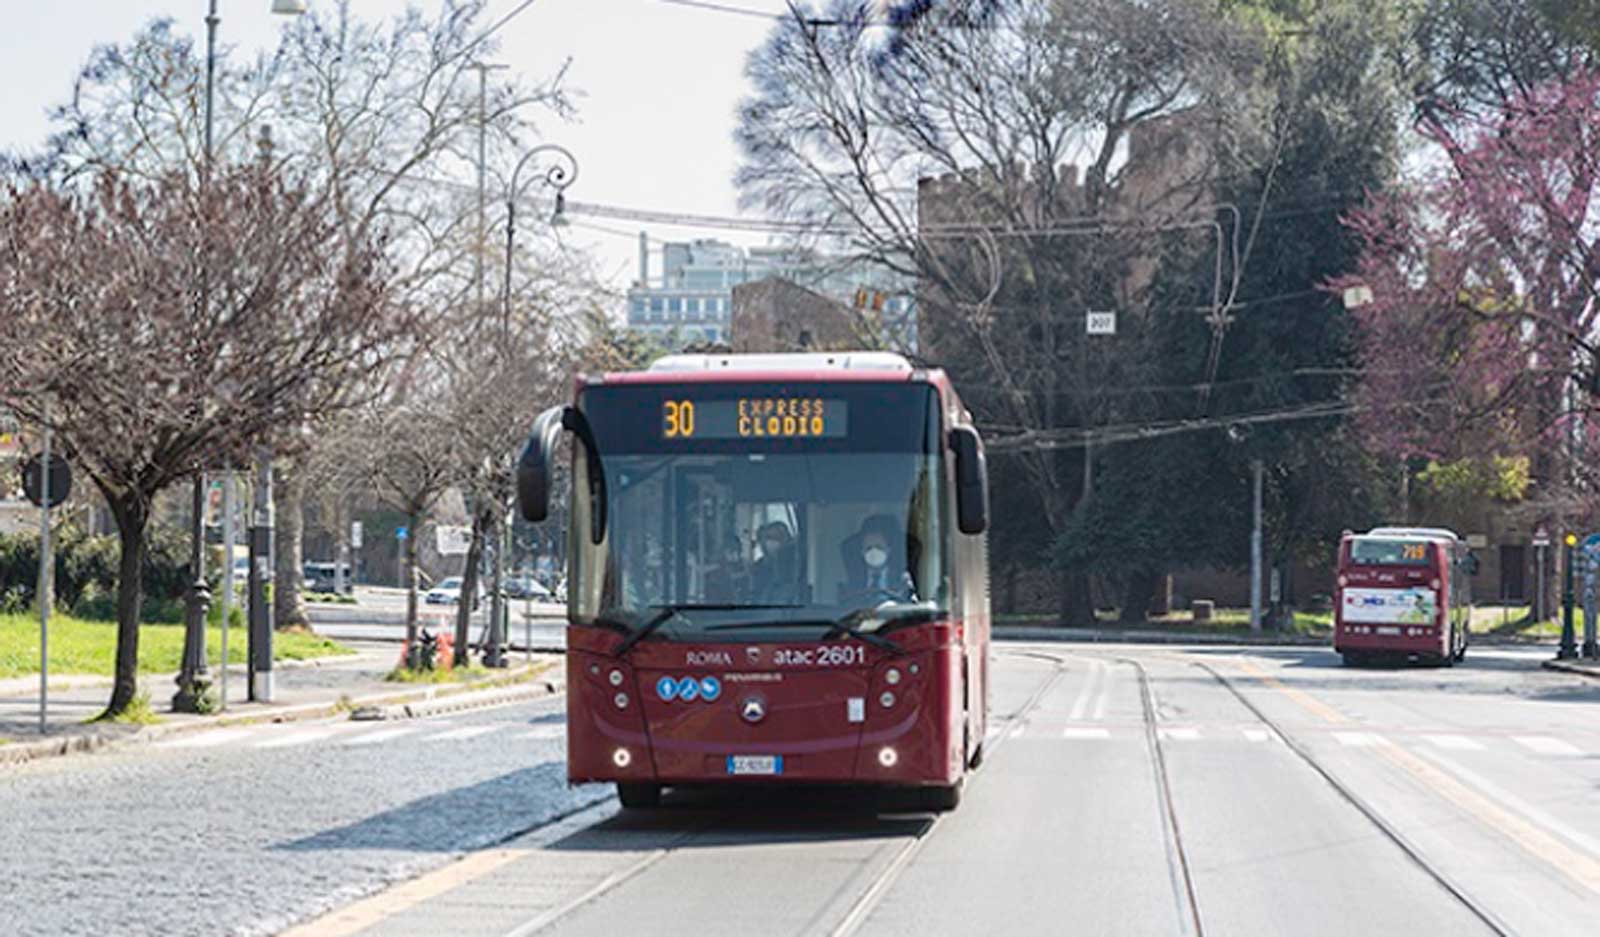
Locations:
692 300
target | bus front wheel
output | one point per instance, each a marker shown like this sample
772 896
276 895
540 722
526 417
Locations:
637 795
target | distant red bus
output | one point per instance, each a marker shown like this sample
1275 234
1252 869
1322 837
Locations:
1403 593
778 572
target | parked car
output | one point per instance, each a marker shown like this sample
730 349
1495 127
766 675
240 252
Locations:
447 591
321 577
527 587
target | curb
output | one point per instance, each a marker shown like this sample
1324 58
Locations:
1559 665
1096 636
423 701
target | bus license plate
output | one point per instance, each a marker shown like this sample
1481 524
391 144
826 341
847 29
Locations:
1388 630
755 764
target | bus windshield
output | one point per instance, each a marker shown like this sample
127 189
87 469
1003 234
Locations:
1368 551
737 508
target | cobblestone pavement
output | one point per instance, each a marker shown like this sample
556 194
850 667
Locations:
246 830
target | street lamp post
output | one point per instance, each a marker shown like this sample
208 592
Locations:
194 681
559 176
1569 648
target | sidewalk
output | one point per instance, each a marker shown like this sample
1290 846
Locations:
1587 666
302 690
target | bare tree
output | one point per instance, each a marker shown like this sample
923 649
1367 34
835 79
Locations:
1025 162
109 340
370 114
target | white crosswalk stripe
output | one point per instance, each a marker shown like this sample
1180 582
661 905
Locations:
1180 735
554 731
1081 733
1359 739
1257 735
382 735
1455 742
300 737
206 739
1545 745
465 732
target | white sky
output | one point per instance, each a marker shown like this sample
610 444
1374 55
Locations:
659 83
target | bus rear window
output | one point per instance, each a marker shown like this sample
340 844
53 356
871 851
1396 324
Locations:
1390 553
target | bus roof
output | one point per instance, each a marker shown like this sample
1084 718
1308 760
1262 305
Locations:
804 366
1438 533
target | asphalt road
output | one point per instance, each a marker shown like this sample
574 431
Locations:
1127 790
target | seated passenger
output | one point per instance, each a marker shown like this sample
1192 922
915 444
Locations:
775 577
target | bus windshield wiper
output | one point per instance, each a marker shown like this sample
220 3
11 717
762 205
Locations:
667 612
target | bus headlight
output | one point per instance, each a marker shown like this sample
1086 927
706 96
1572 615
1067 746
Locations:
621 699
888 757
892 676
615 678
887 699
622 758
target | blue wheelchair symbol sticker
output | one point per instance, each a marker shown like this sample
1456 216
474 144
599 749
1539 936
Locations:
666 688
710 688
688 689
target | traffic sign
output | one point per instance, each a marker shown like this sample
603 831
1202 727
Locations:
355 534
452 541
1102 323
60 480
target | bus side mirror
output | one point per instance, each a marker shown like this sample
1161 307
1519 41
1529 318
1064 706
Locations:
536 466
972 481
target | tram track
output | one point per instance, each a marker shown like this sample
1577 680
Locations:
1388 830
866 900
872 896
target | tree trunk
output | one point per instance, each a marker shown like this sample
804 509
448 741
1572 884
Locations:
1136 596
133 516
288 608
1077 605
409 545
469 589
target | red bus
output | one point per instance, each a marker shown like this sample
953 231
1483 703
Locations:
777 572
1404 593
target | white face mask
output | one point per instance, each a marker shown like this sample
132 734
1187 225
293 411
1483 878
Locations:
875 556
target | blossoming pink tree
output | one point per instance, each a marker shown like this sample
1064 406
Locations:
1478 333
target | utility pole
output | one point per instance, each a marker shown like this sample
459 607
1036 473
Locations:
228 537
43 592
1257 470
260 654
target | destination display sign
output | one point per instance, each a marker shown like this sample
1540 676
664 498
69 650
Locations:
755 418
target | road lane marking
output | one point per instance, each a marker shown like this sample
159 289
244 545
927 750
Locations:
1458 743
1545 745
1573 863
465 732
1576 865
1361 739
1307 701
1104 696
1080 733
363 914
1550 823
297 738
555 731
1180 735
206 739
1092 680
1257 735
382 735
